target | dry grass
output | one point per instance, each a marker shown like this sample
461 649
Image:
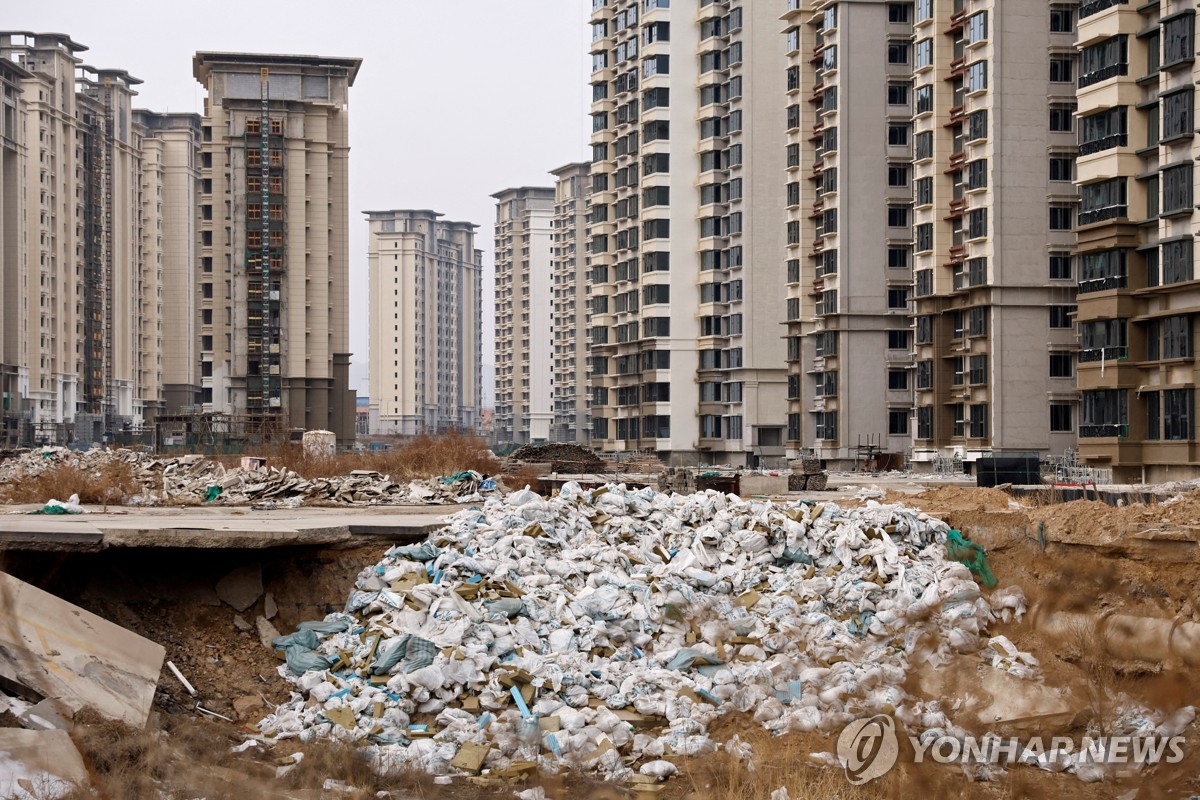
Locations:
426 456
112 483
519 476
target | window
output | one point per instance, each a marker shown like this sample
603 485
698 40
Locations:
656 65
897 380
1177 40
1104 60
1177 261
1153 417
978 367
1061 365
977 175
1104 269
924 53
925 422
897 175
897 422
897 216
924 145
1062 19
977 125
1178 413
1104 130
924 10
924 375
1061 69
977 79
899 257
1176 114
979 421
897 94
825 425
977 321
1062 168
1060 218
923 191
898 340
924 237
1060 266
898 135
897 297
1102 340
899 12
1060 316
897 52
923 284
1176 337
1177 188
1099 201
977 223
924 99
977 27
1060 418
656 326
656 229
1105 413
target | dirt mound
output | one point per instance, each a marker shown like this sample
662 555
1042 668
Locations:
1092 521
962 499
562 457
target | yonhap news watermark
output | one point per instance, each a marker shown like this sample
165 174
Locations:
869 748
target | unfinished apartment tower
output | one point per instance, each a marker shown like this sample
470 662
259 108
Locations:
274 274
571 311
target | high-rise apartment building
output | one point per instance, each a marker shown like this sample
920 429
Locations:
274 227
849 227
686 238
1135 78
426 314
12 250
569 321
524 310
993 212
171 242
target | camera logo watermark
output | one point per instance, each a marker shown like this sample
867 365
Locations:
868 749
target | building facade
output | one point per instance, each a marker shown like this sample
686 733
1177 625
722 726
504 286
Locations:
1137 377
685 236
849 228
273 314
524 310
426 314
572 295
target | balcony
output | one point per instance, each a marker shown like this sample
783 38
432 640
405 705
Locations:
1113 353
1102 214
1106 143
1103 284
1108 431
1096 6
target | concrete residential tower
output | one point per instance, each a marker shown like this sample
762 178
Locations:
572 294
686 237
274 276
426 282
524 311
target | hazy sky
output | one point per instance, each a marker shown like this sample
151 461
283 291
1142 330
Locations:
456 99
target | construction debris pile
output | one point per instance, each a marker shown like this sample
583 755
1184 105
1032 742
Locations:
610 627
807 476
198 479
561 456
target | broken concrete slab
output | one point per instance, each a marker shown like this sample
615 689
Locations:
46 716
240 623
79 659
267 633
249 705
270 608
242 587
37 764
993 698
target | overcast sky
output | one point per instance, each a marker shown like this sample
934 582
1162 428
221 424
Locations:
456 99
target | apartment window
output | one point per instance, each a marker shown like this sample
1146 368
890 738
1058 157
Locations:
1104 130
897 422
977 27
1176 336
977 125
924 282
1176 114
829 138
1176 184
977 321
1102 339
958 377
923 329
1061 365
1062 19
977 370
1177 261
924 237
1062 168
977 223
1060 266
1153 416
924 375
899 12
897 94
977 77
977 174
1178 34
206 291
659 196
897 216
1061 69
656 229
924 54
898 135
1060 316
897 175
899 258
979 421
1060 418
898 340
656 65
1061 218
898 380
925 422
658 32
1105 413
897 52
656 326
656 262
1178 413
924 145
1102 270
1104 60
923 191
897 298
924 99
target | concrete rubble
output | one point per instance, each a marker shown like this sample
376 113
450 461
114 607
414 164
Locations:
198 479
610 627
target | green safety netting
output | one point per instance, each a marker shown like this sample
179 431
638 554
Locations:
964 551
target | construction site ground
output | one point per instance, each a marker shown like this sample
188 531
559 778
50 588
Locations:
155 572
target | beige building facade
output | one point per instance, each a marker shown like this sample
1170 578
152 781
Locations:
426 283
685 236
274 237
525 336
572 295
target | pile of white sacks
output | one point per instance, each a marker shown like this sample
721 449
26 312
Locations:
615 622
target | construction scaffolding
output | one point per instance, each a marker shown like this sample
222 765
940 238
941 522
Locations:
197 430
265 226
